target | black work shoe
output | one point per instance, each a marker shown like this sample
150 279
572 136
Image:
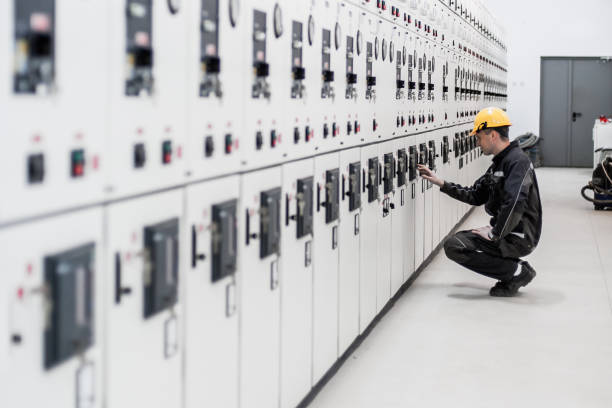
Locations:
511 287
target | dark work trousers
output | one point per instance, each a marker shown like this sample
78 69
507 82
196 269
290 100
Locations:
480 255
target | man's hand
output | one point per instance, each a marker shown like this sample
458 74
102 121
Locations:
483 232
430 176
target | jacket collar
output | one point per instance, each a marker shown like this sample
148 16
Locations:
499 157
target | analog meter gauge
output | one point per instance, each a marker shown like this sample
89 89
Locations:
338 36
376 48
234 11
311 30
278 21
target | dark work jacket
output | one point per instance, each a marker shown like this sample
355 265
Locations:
509 190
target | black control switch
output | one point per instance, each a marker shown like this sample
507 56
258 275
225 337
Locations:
140 155
36 168
209 146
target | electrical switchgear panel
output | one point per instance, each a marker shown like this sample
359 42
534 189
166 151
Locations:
139 48
161 265
388 173
354 186
332 195
304 204
373 179
35 35
223 240
69 285
402 167
269 222
210 63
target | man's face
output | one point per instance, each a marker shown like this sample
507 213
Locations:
484 139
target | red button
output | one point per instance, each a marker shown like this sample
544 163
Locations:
78 170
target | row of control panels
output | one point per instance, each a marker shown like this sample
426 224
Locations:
160 94
193 287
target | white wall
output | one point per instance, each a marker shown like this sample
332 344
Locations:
537 28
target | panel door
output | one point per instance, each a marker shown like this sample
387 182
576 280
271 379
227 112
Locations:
296 282
211 317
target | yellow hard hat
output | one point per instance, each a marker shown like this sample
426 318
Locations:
490 117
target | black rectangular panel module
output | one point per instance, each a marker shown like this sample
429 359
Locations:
369 60
139 48
372 181
296 45
457 145
34 64
259 37
304 205
349 55
326 52
423 154
388 173
161 244
69 279
269 222
223 240
412 163
432 155
402 167
332 195
354 186
445 149
209 29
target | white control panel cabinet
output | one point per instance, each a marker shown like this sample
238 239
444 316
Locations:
210 256
205 202
52 297
296 283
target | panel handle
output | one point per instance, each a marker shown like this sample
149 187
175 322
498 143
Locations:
120 290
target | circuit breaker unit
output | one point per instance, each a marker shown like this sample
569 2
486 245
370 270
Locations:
70 324
161 245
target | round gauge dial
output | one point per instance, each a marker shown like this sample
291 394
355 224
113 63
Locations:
384 49
311 30
338 35
234 11
278 21
376 46
359 42
391 51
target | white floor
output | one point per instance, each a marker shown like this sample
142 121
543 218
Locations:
447 343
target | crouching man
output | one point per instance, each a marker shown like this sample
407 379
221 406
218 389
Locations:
509 191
